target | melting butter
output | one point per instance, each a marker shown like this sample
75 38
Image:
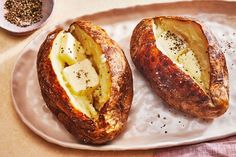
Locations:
70 50
81 76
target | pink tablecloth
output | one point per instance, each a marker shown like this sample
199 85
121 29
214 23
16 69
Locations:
218 148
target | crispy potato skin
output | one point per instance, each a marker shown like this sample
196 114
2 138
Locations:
113 115
171 84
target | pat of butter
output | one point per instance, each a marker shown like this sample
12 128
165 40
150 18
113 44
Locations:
70 50
81 76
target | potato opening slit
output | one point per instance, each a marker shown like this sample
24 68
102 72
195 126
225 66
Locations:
79 65
186 45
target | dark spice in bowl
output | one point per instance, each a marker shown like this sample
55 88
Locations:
23 13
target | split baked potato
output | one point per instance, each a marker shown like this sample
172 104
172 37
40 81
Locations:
86 82
183 63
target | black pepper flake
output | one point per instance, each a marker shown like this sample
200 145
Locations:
228 45
164 117
178 43
163 126
23 13
165 132
78 75
179 121
158 116
87 81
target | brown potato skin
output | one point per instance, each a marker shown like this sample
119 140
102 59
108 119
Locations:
177 89
116 109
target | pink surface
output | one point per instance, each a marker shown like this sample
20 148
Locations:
218 148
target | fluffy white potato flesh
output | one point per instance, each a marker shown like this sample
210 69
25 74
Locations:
70 50
187 57
81 76
81 101
102 93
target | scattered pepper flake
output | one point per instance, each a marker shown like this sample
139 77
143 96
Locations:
163 126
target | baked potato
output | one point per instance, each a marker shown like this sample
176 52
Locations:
86 82
183 63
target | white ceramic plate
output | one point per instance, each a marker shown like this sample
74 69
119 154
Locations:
151 124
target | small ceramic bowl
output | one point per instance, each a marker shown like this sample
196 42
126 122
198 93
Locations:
47 8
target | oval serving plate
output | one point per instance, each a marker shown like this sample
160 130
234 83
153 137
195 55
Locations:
151 124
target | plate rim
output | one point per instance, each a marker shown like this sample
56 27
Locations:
81 146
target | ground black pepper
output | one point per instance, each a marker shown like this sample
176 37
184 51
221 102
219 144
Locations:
163 126
23 13
177 42
79 74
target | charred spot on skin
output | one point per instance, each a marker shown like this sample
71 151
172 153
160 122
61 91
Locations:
192 94
120 106
147 54
202 99
158 69
165 63
142 69
173 75
153 59
104 108
101 118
